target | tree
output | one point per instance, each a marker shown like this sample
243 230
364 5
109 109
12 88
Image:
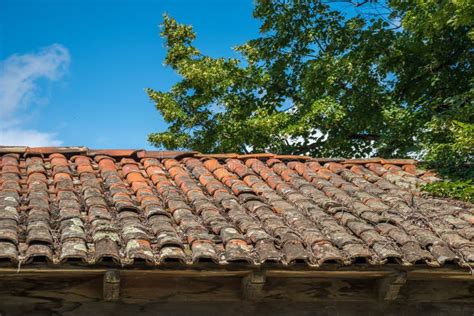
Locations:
323 83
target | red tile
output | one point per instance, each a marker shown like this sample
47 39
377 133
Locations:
392 167
37 177
62 176
112 152
170 163
9 160
325 173
272 161
253 156
334 167
30 151
376 168
135 177
10 169
137 185
154 170
287 174
273 181
293 157
357 169
107 164
174 171
81 160
221 173
99 158
398 161
298 166
59 161
84 169
56 155
129 168
314 165
216 156
410 169
212 164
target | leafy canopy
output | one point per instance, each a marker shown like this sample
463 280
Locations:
320 82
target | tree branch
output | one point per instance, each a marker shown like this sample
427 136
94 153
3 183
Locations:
358 4
365 136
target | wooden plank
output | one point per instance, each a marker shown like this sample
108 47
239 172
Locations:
142 289
318 290
252 286
445 291
389 287
60 293
188 273
22 294
111 286
273 308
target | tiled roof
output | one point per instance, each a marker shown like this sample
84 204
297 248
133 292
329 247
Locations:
63 204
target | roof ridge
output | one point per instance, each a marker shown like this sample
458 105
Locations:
177 154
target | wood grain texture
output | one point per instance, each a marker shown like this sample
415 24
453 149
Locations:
389 287
111 286
77 291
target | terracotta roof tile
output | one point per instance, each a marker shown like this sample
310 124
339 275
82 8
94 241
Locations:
59 204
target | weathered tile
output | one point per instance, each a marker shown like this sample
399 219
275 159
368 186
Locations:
61 204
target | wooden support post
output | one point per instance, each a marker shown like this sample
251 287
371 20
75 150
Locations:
111 287
389 287
252 285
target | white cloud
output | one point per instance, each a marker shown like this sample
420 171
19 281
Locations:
19 90
32 138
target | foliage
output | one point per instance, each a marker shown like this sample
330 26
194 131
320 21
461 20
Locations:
324 83
452 157
462 190
453 154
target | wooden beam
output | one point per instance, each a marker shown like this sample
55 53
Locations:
252 286
389 287
328 274
65 291
111 287
454 273
438 274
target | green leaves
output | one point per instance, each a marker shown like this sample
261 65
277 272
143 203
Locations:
178 40
319 82
462 190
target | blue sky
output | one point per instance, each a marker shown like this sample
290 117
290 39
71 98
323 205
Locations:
74 72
